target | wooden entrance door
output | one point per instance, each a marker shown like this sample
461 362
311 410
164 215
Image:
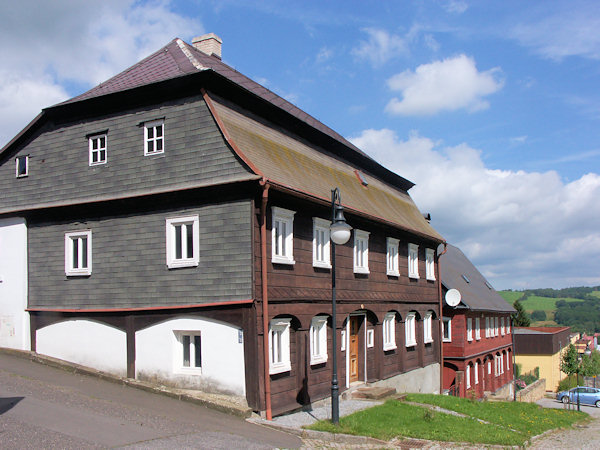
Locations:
353 355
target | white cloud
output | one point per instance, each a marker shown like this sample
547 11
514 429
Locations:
74 43
450 84
380 47
521 229
324 55
563 32
517 140
455 6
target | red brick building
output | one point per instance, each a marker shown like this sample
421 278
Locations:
477 338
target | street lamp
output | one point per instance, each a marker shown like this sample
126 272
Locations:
339 232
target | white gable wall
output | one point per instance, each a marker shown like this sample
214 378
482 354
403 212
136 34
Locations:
14 320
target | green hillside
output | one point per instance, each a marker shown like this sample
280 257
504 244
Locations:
577 307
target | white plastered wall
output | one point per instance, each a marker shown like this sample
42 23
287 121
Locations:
85 342
14 320
222 369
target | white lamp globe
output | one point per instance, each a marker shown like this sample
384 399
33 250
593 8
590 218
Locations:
340 232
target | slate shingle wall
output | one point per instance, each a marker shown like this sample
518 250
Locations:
59 169
129 261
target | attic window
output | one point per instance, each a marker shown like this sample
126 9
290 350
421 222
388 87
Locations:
361 178
465 278
489 286
22 166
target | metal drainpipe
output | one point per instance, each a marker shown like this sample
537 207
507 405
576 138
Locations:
265 298
441 319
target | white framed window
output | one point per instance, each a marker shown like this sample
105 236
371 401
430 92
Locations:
476 372
361 251
427 327
279 346
392 257
78 253
97 149
321 251
389 331
188 353
183 242
508 361
508 325
487 327
370 338
477 328
468 375
496 326
502 326
282 232
446 329
22 166
430 264
343 340
413 261
489 367
154 137
410 329
318 340
469 329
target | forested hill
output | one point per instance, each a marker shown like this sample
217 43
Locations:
577 307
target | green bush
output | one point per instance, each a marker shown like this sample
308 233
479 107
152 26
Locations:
567 383
538 315
518 370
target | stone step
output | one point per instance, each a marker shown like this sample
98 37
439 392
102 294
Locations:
373 392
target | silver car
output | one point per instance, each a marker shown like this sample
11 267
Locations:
587 396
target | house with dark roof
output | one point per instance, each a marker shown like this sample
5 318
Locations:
172 224
477 336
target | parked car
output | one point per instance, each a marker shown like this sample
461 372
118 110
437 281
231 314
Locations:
587 396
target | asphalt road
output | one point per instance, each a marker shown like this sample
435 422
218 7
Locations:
44 407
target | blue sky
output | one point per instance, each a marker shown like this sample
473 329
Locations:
491 108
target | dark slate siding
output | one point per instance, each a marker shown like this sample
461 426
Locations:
195 152
129 261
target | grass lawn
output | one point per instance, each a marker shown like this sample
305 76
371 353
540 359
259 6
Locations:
509 423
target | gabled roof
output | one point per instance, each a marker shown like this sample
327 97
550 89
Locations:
279 153
178 58
457 272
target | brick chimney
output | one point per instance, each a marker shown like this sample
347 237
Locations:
208 43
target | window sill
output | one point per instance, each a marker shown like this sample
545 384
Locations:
318 360
361 270
428 341
411 344
282 260
389 347
85 273
430 278
279 368
393 274
446 340
154 153
321 265
413 276
181 264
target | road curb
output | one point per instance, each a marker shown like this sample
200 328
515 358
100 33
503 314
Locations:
178 394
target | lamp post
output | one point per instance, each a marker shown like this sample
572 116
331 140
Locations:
339 232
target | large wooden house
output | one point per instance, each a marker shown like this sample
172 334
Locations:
476 332
172 224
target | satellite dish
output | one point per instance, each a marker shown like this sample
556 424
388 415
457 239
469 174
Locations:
453 297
